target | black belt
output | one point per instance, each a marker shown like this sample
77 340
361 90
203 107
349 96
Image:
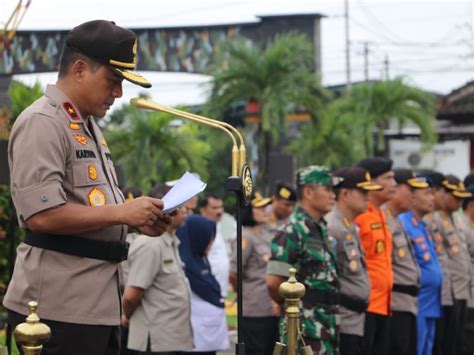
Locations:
411 290
88 248
353 304
333 298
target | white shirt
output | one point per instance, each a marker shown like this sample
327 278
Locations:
219 261
209 325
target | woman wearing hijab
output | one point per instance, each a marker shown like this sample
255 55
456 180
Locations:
260 313
208 317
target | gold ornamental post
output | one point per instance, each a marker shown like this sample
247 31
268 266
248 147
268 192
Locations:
32 334
291 291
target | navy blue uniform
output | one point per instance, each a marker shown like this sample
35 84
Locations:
429 298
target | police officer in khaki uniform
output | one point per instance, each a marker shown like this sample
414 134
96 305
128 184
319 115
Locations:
260 313
66 194
439 192
352 200
459 264
283 203
465 221
406 273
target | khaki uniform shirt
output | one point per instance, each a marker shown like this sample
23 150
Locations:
353 275
54 158
459 260
447 288
467 228
163 315
405 267
256 251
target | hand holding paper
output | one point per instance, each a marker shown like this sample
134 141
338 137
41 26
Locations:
187 187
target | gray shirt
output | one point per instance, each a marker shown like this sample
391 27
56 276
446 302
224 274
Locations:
57 156
458 256
353 275
256 251
405 268
163 315
447 288
467 228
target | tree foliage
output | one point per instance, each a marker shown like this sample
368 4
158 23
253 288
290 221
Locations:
345 132
155 147
280 77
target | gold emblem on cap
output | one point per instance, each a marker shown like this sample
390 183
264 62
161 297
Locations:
353 265
379 246
285 193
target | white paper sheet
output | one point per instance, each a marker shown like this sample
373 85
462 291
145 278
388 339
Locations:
187 187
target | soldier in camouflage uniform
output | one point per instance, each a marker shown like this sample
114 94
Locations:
303 244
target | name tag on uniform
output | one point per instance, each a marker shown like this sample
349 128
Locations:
376 226
168 261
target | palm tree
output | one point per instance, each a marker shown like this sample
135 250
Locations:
376 105
280 78
345 132
154 147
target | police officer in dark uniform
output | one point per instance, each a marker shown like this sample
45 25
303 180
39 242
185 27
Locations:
67 197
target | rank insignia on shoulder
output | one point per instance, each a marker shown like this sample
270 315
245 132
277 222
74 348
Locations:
92 172
97 197
168 261
379 246
353 265
81 139
75 126
70 110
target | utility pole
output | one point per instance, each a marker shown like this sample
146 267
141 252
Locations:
366 61
386 63
348 48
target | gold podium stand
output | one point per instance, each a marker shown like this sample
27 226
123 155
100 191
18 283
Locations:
292 291
32 334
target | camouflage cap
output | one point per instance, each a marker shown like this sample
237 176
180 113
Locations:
318 174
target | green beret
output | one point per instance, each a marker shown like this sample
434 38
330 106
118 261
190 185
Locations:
316 174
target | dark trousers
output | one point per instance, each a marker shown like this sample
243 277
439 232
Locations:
376 340
403 335
260 334
75 339
468 346
454 328
350 344
440 329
